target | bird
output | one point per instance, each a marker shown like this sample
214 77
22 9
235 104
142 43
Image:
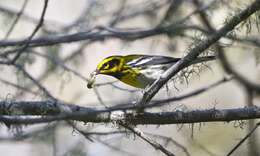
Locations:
136 70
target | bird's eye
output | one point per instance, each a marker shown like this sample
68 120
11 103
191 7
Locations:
106 66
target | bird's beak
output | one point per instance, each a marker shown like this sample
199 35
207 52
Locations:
96 72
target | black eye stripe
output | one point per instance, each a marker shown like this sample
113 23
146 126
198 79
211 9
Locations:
110 64
113 62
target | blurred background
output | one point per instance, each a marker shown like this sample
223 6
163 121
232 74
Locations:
55 66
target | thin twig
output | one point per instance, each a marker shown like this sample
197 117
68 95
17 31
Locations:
169 139
32 34
46 92
18 86
147 139
157 103
16 19
115 148
244 139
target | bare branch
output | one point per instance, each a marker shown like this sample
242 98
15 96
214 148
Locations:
18 86
157 103
46 92
147 139
20 51
244 139
169 139
99 33
226 65
48 111
16 19
196 50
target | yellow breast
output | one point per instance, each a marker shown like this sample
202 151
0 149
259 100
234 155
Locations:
136 79
132 80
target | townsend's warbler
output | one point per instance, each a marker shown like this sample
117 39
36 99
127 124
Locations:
138 71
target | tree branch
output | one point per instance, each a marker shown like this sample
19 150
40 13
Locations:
26 45
98 33
32 112
197 50
244 139
147 139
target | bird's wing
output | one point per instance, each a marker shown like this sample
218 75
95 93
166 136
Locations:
147 60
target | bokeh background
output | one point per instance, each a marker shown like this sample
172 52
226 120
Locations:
67 17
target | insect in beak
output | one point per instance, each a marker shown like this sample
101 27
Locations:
92 79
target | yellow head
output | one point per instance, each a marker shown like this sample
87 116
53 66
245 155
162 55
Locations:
111 66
